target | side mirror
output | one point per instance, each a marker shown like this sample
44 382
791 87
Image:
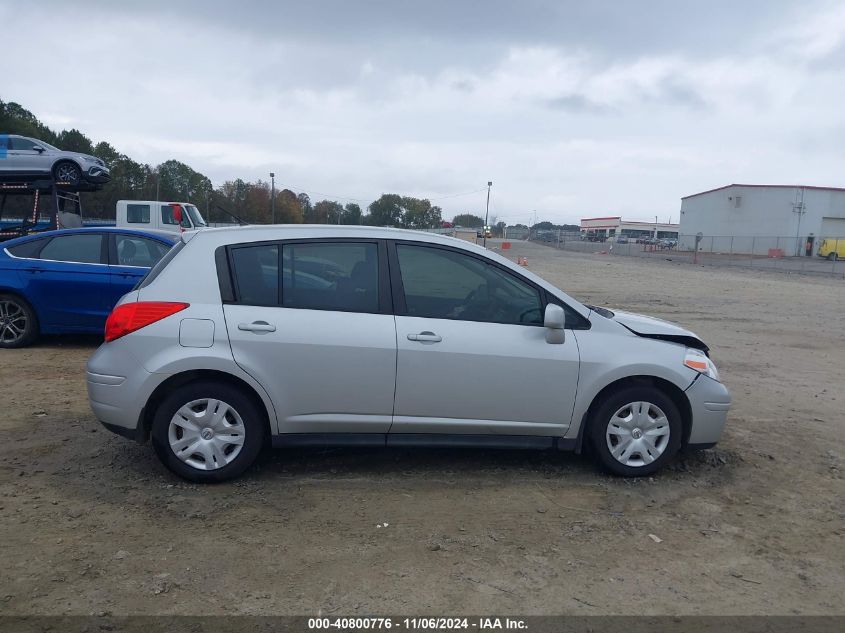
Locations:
38 148
554 321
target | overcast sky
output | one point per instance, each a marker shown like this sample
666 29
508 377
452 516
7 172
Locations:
571 108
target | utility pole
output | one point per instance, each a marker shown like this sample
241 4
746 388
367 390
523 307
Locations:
655 227
272 198
798 207
487 213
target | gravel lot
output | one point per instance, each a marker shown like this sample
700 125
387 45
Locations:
91 523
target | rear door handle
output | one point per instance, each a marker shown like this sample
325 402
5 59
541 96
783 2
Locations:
425 337
257 326
34 270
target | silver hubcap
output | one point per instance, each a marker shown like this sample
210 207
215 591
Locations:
206 434
637 434
12 321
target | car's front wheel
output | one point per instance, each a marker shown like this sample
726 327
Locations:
636 431
833 256
208 431
68 172
18 324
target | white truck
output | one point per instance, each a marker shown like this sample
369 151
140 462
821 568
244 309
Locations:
161 216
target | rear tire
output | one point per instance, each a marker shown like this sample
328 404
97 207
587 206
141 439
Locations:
18 323
208 431
67 171
636 431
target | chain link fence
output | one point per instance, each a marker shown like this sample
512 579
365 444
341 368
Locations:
814 255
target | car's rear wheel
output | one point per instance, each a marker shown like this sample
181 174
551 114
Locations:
67 171
636 431
208 431
18 324
833 257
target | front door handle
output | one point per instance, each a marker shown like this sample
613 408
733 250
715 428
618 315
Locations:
257 326
425 337
34 270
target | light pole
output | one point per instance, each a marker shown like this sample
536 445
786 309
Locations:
798 207
272 198
487 213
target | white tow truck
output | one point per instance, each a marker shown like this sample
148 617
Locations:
161 216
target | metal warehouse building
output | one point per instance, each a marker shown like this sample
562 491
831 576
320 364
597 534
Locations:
787 219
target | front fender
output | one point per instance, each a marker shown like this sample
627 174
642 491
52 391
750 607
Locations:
603 364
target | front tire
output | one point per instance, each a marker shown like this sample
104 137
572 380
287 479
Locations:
67 171
833 257
636 431
208 431
18 323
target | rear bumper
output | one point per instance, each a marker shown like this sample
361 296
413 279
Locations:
112 401
118 389
709 402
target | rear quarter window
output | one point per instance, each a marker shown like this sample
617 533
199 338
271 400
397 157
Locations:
29 249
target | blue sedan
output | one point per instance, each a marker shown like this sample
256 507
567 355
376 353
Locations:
67 281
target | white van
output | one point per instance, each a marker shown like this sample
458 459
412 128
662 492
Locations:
162 216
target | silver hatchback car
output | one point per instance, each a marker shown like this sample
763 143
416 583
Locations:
304 335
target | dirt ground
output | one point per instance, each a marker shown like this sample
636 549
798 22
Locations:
91 523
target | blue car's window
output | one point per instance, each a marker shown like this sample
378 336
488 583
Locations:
155 271
133 250
27 249
81 248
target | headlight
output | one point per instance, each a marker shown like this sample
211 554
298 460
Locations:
697 360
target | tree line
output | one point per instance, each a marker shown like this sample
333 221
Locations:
250 201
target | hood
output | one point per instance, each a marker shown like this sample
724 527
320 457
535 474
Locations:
651 327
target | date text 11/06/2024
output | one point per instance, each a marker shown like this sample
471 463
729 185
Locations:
423 623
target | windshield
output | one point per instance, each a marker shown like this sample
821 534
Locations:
195 215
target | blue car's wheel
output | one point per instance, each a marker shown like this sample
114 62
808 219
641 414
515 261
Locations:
18 325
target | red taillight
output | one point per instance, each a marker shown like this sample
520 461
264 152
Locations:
130 317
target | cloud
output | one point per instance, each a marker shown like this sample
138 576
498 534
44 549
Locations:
571 109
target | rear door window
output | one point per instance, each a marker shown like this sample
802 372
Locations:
342 276
133 250
331 276
84 248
